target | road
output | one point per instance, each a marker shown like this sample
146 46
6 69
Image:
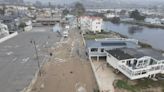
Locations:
18 63
68 70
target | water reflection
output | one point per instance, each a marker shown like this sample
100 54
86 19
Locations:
134 29
152 36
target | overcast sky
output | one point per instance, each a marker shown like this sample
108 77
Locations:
121 1
54 1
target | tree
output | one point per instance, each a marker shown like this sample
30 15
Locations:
65 12
78 9
122 12
136 15
115 20
2 11
108 11
38 4
22 25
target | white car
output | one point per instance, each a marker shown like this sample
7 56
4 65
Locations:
65 33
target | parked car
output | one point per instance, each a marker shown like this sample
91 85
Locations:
65 34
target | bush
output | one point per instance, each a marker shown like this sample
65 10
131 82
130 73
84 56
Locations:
96 90
22 25
124 85
115 20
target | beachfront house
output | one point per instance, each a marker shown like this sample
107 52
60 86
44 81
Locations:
111 15
153 20
136 63
91 23
96 48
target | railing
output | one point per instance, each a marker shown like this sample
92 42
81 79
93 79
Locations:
97 53
119 39
140 73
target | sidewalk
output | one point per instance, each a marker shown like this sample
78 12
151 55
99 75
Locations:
105 76
67 71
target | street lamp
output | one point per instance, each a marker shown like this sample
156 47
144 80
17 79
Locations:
36 52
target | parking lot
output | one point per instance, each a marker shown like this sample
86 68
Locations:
18 63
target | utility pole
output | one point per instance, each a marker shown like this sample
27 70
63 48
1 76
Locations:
37 56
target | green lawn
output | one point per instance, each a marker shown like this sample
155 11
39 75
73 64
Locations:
141 84
124 85
91 36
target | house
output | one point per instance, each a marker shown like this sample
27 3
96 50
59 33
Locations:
91 23
153 20
127 19
84 22
111 15
136 63
57 28
70 18
162 21
3 30
10 21
96 24
96 48
28 24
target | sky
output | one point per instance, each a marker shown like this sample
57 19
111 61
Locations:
105 2
54 1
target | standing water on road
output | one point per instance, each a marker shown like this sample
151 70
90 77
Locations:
152 36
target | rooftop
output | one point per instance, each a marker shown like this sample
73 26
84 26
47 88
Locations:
104 43
128 53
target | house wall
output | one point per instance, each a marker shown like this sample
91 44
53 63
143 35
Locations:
90 23
4 29
96 25
99 53
112 61
153 20
144 71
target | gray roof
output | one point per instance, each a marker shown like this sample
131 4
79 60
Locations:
109 43
119 54
128 53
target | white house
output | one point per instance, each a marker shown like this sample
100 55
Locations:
111 15
91 23
162 21
96 24
153 20
136 63
28 23
4 29
97 47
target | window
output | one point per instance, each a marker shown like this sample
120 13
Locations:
143 72
98 23
94 49
145 62
102 50
140 64
152 62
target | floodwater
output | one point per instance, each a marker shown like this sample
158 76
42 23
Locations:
152 36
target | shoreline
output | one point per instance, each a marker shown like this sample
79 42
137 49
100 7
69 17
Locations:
143 24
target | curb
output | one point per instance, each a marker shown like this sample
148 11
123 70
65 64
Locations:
33 81
8 37
96 77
